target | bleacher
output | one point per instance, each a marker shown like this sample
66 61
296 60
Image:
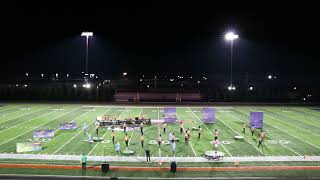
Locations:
156 96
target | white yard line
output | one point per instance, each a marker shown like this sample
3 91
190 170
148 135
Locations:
159 129
189 140
271 138
158 140
19 115
134 129
293 135
279 114
27 121
311 124
272 117
39 125
290 124
14 107
292 112
289 134
106 131
243 136
210 131
80 131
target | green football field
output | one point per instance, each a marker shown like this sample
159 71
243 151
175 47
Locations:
290 130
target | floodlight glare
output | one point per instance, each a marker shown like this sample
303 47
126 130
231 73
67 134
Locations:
87 34
125 73
230 36
250 88
74 85
233 88
270 77
87 85
229 88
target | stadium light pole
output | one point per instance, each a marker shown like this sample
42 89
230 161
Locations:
230 36
87 35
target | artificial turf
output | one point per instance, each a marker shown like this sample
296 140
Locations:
290 130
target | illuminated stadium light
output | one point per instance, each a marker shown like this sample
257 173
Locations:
25 85
87 85
270 77
124 74
140 80
27 74
309 95
87 34
250 88
231 88
17 85
198 82
67 75
57 75
148 86
191 77
304 99
171 80
230 36
42 75
74 85
294 88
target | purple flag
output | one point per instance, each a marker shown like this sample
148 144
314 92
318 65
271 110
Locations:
43 134
68 126
256 119
208 115
170 115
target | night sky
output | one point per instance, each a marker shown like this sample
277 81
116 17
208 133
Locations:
274 38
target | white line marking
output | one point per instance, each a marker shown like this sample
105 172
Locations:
243 136
27 121
287 116
210 131
19 115
80 131
271 138
289 134
39 125
189 140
